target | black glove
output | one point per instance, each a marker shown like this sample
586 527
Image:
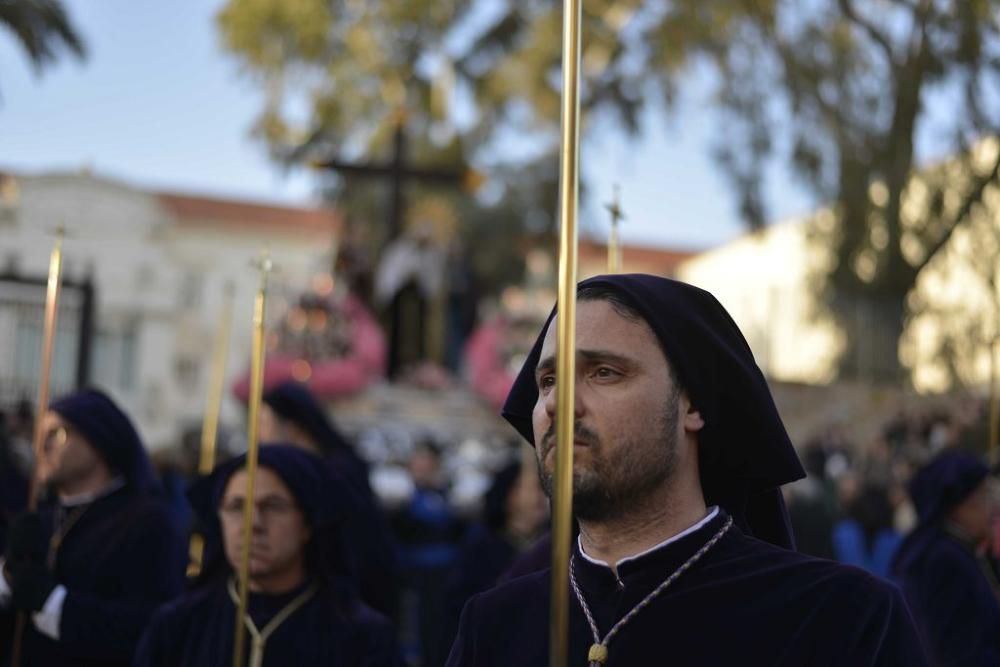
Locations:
30 585
26 540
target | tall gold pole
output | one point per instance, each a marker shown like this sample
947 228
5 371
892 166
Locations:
213 407
614 245
48 344
569 179
994 408
253 413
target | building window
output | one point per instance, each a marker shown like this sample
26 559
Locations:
116 356
186 369
191 291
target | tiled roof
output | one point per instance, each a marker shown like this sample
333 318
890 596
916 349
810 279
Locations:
640 258
197 210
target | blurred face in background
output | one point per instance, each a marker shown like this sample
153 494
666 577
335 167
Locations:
272 428
67 461
527 506
977 514
425 468
279 535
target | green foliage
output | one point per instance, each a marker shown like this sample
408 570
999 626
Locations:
836 89
43 29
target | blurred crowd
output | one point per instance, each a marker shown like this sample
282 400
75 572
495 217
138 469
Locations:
855 505
437 522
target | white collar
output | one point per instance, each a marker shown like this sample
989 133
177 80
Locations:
91 496
712 513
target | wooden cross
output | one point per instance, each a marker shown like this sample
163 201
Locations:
398 173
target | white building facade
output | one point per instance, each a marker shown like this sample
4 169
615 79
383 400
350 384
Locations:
159 265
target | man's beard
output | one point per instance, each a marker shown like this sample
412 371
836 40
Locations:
610 489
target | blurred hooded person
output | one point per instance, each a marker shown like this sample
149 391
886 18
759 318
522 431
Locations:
684 552
91 566
291 414
303 607
942 566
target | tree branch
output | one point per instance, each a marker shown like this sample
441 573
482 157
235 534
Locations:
974 196
849 11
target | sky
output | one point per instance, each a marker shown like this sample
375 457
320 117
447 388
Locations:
158 104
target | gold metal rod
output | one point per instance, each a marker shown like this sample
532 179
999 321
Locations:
614 250
253 413
994 407
217 384
614 243
210 425
48 344
569 179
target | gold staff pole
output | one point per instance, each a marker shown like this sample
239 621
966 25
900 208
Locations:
48 343
256 391
569 179
614 244
994 408
213 407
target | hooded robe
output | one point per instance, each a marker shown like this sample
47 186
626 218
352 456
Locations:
333 627
118 559
749 599
947 583
374 554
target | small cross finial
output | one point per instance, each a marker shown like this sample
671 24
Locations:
265 265
615 208
59 232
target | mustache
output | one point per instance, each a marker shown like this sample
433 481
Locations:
580 434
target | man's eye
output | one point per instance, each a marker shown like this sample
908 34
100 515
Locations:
546 381
605 372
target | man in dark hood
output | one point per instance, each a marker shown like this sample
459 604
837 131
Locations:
947 581
101 553
684 553
303 607
292 414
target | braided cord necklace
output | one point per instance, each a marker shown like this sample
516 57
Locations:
598 654
259 637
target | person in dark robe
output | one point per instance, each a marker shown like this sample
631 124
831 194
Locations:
942 566
303 608
428 531
292 414
866 537
810 506
408 280
684 554
515 514
90 567
13 483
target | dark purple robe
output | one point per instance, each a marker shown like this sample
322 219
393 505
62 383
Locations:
746 602
197 630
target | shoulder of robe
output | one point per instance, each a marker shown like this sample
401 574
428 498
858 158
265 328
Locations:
796 572
517 596
187 606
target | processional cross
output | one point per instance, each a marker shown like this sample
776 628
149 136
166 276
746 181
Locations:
398 172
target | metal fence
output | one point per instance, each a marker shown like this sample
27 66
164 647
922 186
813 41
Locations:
22 325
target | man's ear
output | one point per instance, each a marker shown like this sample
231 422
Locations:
693 421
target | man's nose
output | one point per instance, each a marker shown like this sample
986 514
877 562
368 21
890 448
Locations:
552 402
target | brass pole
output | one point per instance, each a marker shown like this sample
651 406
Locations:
48 344
213 407
994 408
569 179
614 250
253 413
614 244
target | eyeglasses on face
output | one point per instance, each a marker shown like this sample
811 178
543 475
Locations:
267 508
